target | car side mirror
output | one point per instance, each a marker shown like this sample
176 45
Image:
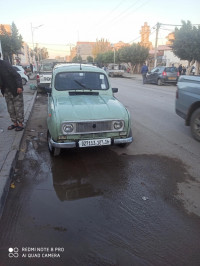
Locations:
115 90
48 89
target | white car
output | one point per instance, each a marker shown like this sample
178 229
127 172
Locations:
22 73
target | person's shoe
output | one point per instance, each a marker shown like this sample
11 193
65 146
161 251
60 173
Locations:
12 127
19 128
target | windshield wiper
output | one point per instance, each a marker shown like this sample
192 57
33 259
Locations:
82 85
83 93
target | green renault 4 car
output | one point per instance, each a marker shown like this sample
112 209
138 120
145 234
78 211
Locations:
82 111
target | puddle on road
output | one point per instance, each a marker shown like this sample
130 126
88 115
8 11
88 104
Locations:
93 172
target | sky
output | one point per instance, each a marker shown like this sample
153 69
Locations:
64 22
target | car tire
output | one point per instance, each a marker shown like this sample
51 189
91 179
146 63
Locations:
195 124
52 150
123 145
159 82
24 81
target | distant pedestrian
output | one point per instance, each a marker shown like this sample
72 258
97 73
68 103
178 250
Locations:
193 70
180 68
12 89
31 66
184 70
144 71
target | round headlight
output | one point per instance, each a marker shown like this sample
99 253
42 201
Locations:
68 128
118 125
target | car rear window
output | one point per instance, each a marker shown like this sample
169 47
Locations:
80 81
171 69
46 67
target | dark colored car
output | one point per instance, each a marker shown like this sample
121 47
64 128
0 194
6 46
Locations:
161 75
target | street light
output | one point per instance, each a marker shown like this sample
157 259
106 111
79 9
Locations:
113 46
32 31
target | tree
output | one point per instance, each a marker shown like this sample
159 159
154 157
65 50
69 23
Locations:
133 55
40 53
105 58
16 39
11 42
101 46
77 59
90 59
44 53
186 44
5 38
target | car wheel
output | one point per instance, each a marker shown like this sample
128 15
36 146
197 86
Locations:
195 124
23 81
159 82
52 150
123 145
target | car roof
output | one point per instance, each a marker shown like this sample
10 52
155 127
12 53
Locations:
77 67
19 67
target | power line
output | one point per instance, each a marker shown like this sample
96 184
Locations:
58 44
122 14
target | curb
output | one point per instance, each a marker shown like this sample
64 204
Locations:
11 159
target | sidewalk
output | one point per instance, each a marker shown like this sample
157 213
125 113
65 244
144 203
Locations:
132 76
10 141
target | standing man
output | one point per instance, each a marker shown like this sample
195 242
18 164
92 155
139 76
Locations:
180 68
184 70
144 71
31 66
12 89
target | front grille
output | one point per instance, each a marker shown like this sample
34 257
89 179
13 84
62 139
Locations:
94 126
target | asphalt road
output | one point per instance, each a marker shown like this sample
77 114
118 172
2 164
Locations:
158 130
106 206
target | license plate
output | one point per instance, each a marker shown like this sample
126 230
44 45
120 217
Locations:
94 142
171 78
45 79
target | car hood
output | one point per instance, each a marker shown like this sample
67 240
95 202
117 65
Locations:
89 107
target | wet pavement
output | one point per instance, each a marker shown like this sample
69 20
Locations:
95 207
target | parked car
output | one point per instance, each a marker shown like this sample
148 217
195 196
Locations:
188 102
22 73
27 69
115 70
44 75
161 75
82 110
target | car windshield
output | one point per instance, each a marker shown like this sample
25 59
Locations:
81 81
46 67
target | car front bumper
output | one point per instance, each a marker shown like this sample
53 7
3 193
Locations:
74 144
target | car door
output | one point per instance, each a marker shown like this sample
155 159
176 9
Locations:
152 75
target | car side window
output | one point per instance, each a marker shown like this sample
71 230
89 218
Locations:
155 70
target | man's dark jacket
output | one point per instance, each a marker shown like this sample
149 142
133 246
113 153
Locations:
144 69
9 78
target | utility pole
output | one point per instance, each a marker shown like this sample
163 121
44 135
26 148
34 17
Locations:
156 44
